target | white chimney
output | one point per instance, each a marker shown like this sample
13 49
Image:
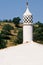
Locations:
27 26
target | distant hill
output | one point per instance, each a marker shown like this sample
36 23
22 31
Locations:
37 32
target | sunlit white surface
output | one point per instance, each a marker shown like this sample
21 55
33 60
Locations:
24 54
27 33
27 12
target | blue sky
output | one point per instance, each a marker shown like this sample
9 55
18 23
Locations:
14 8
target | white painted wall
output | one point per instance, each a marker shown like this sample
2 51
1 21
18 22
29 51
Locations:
24 54
27 33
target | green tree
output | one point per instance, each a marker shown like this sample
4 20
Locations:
2 42
16 21
10 21
19 39
7 27
6 33
38 31
5 20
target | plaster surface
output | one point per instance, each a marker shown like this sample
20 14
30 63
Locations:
24 54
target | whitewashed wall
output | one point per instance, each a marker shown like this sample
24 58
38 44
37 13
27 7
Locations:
27 33
24 54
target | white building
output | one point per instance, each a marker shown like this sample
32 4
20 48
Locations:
30 53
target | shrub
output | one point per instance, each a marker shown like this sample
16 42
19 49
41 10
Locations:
8 27
2 42
19 39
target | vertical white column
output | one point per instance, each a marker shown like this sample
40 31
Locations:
27 26
27 33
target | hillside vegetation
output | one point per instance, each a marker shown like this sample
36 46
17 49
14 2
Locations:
11 32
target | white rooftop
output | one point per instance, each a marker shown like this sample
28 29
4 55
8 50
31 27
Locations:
27 12
24 54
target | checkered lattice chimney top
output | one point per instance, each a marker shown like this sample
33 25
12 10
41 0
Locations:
27 16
